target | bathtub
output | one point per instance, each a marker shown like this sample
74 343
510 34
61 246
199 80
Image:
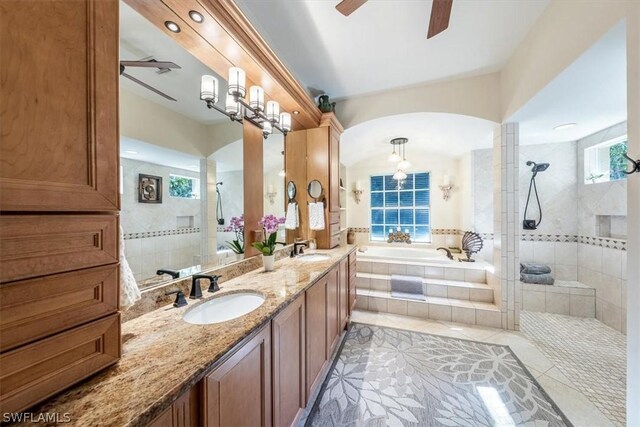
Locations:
417 255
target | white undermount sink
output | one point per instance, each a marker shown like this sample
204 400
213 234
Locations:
223 308
313 257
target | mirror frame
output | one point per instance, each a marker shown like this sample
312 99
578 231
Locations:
292 190
319 196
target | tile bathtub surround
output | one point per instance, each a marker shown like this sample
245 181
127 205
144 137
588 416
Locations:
154 298
163 355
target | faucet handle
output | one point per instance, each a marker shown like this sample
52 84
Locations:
180 299
213 284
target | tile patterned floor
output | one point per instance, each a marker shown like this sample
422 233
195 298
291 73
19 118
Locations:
394 377
580 411
587 351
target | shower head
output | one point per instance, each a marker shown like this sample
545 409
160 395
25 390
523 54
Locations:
538 167
218 183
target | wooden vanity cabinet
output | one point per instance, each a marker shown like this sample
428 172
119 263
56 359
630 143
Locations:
184 412
288 335
238 392
316 327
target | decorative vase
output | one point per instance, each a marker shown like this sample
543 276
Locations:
324 105
269 262
351 237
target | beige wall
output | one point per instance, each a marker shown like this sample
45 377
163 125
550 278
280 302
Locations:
474 96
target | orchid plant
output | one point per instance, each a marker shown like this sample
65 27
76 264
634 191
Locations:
236 225
270 224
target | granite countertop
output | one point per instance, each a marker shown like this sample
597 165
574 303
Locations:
163 356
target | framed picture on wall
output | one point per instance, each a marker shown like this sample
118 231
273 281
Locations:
149 188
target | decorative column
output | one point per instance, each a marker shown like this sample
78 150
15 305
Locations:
506 223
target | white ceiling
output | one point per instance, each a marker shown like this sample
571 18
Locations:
591 92
229 158
140 39
439 133
383 44
142 151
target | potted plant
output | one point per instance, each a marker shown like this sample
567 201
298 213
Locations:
270 224
236 225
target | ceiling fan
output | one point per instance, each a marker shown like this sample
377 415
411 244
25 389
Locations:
162 66
440 13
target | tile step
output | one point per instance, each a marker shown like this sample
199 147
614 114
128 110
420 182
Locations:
453 289
476 274
434 308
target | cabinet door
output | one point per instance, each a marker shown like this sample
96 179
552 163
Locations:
333 310
344 292
316 326
334 172
289 373
352 281
59 105
182 413
238 392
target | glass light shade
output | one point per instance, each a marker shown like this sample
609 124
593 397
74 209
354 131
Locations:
273 111
231 106
394 157
256 98
267 128
399 175
404 165
209 88
237 81
285 121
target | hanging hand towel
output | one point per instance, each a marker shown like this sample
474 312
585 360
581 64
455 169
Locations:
129 290
316 216
292 221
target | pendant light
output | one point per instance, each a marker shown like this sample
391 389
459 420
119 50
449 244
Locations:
404 163
393 157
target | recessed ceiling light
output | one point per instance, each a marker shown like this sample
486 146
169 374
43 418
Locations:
131 152
172 26
296 112
564 126
196 16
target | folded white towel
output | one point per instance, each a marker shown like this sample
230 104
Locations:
292 219
129 290
316 216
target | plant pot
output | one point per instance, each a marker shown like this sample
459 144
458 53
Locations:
269 262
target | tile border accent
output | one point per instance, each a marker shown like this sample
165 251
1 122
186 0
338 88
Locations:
603 242
148 234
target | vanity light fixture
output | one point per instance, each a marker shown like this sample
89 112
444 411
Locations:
357 191
237 109
196 16
172 26
271 194
446 187
564 126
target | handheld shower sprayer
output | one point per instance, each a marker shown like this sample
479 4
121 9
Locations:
219 213
531 224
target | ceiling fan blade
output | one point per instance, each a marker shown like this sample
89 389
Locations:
440 14
150 64
347 7
141 83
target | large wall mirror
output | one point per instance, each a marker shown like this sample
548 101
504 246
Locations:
274 179
181 163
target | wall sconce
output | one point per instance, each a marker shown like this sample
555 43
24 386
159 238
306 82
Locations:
357 191
446 187
271 194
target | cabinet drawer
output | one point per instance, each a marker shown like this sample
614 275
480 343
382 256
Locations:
37 245
334 217
36 371
36 308
334 229
352 258
334 240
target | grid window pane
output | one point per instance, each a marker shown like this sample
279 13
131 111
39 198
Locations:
390 199
406 198
404 207
377 183
377 216
377 200
422 198
391 216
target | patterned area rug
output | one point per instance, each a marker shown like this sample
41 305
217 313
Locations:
385 376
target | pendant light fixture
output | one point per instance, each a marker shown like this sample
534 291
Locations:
394 157
403 164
